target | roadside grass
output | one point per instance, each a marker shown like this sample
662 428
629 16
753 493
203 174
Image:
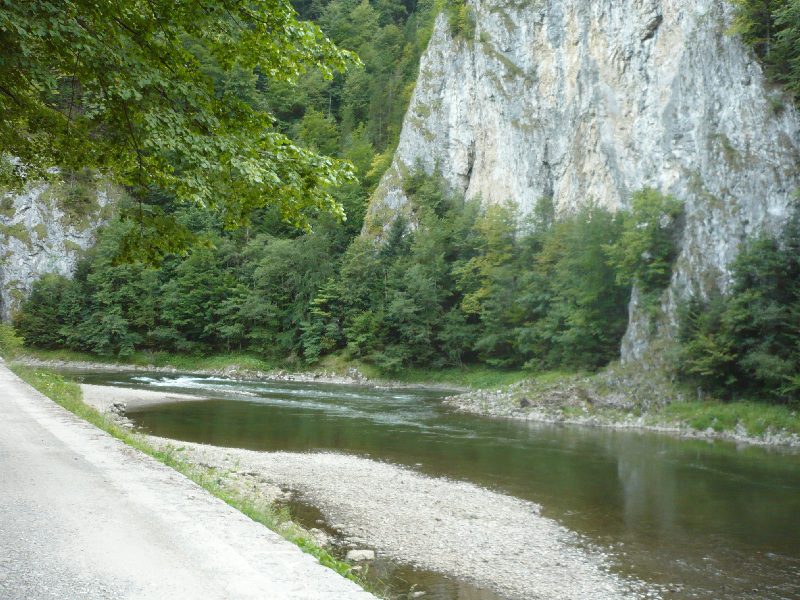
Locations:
69 395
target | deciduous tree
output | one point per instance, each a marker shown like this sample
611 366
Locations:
114 85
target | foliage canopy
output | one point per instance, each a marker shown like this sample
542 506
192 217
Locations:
122 86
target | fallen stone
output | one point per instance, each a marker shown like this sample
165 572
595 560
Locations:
319 537
360 555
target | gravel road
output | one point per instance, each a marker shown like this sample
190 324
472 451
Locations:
82 515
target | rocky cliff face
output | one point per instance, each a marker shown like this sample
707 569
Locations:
46 229
590 100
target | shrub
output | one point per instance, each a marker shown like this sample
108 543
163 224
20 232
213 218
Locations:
647 247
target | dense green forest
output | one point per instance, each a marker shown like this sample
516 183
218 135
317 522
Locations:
461 284
456 284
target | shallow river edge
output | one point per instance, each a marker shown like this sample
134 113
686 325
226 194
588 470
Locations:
575 401
392 512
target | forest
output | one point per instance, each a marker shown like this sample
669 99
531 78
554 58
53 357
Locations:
456 283
464 284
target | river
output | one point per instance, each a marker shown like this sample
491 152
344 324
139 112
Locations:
707 519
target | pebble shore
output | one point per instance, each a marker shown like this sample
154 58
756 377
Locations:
489 539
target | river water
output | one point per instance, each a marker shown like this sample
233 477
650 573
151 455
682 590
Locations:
706 519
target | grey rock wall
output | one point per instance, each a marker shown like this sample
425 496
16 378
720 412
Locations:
590 100
37 235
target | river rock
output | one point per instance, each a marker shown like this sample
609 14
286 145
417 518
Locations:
319 537
360 555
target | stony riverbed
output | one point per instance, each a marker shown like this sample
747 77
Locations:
457 528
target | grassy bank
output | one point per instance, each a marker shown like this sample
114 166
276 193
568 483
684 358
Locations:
182 362
68 394
758 419
632 396
468 376
665 401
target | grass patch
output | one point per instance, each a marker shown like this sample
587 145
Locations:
41 231
68 394
7 208
473 376
72 246
18 231
476 377
219 361
756 417
61 390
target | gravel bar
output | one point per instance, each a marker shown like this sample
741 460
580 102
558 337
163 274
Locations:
456 528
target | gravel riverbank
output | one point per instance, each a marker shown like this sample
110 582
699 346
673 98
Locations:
492 540
579 402
456 528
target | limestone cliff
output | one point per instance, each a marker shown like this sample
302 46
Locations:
46 229
593 99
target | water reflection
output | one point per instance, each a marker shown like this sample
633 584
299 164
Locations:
648 491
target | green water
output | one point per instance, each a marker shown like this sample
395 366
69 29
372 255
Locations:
708 519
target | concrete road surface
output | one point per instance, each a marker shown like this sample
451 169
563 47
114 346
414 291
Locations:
82 515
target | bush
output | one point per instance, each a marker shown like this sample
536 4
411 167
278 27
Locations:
10 342
461 20
647 247
41 316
